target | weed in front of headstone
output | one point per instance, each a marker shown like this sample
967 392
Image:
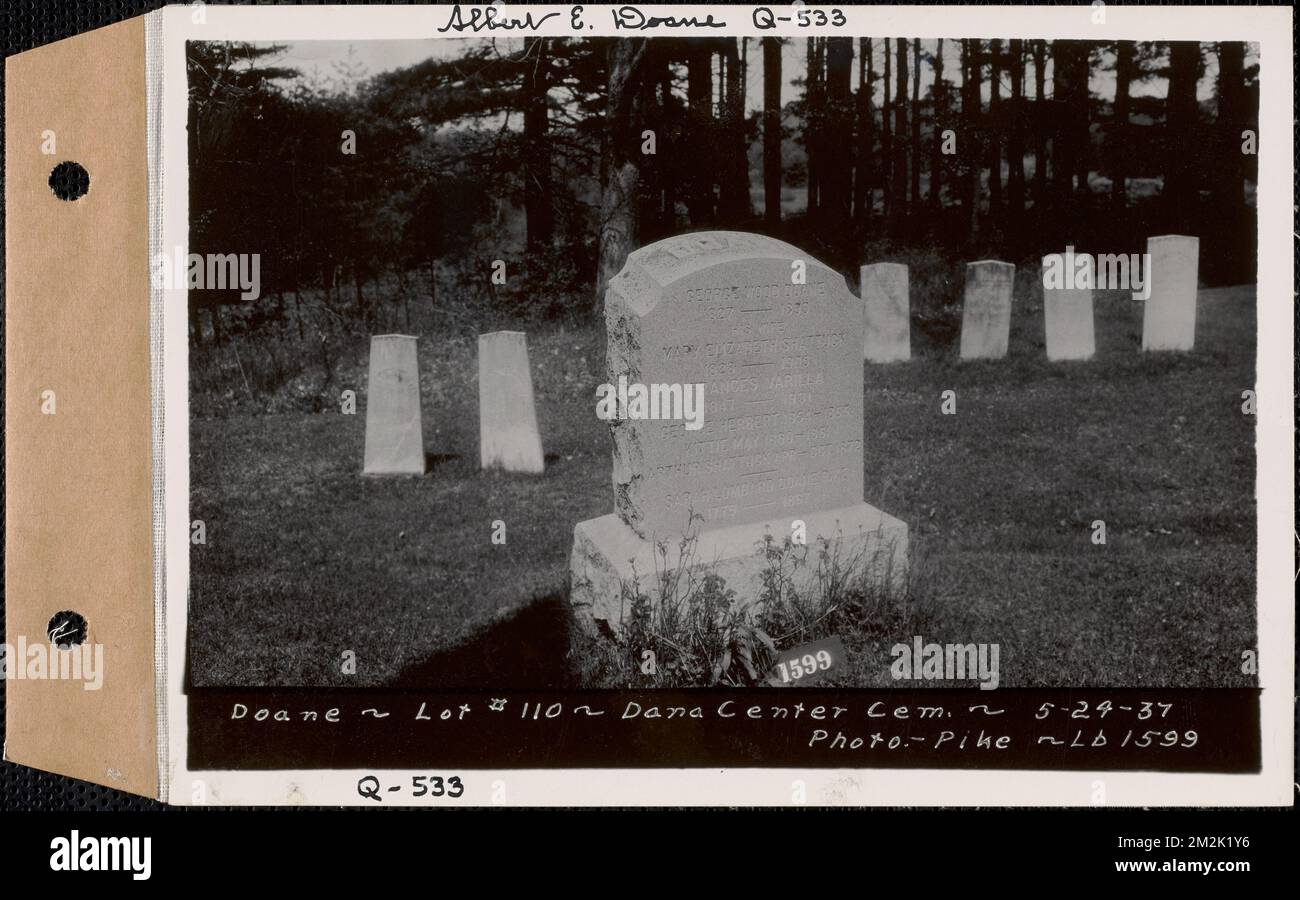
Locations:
692 629
686 627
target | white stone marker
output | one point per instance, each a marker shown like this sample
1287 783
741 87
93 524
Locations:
1067 319
781 438
885 299
507 417
986 309
394 435
1169 317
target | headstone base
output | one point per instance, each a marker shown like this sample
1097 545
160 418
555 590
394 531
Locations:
607 553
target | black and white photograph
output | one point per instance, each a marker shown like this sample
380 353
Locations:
655 406
931 352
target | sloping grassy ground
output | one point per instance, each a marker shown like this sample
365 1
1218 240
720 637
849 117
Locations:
305 559
1002 497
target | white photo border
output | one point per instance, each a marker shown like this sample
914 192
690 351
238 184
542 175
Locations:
1269 27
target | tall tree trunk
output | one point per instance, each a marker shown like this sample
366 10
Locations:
699 99
993 134
1120 131
887 137
1016 137
1180 178
811 125
1040 124
898 212
772 132
972 112
914 202
734 193
1079 119
670 117
837 180
870 150
940 94
862 168
618 199
1230 115
651 212
1070 131
744 70
538 203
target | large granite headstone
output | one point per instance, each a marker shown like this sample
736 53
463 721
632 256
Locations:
782 432
885 301
1067 320
394 435
1169 316
507 416
986 309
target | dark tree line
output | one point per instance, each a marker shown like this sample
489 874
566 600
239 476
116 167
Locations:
1060 129
560 156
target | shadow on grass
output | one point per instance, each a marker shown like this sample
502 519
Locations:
433 460
529 650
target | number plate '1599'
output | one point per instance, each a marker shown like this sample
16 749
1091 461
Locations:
807 663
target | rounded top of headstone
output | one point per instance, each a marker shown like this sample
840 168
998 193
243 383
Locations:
394 337
652 269
991 262
1173 237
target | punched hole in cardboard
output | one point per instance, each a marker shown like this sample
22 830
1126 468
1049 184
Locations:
66 629
69 180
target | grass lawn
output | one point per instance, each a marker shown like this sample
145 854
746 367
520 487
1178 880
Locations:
305 559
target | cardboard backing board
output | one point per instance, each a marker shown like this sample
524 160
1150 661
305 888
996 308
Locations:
78 482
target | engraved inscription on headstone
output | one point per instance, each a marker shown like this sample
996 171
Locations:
394 436
1169 316
508 435
775 337
782 430
884 292
986 309
1067 321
